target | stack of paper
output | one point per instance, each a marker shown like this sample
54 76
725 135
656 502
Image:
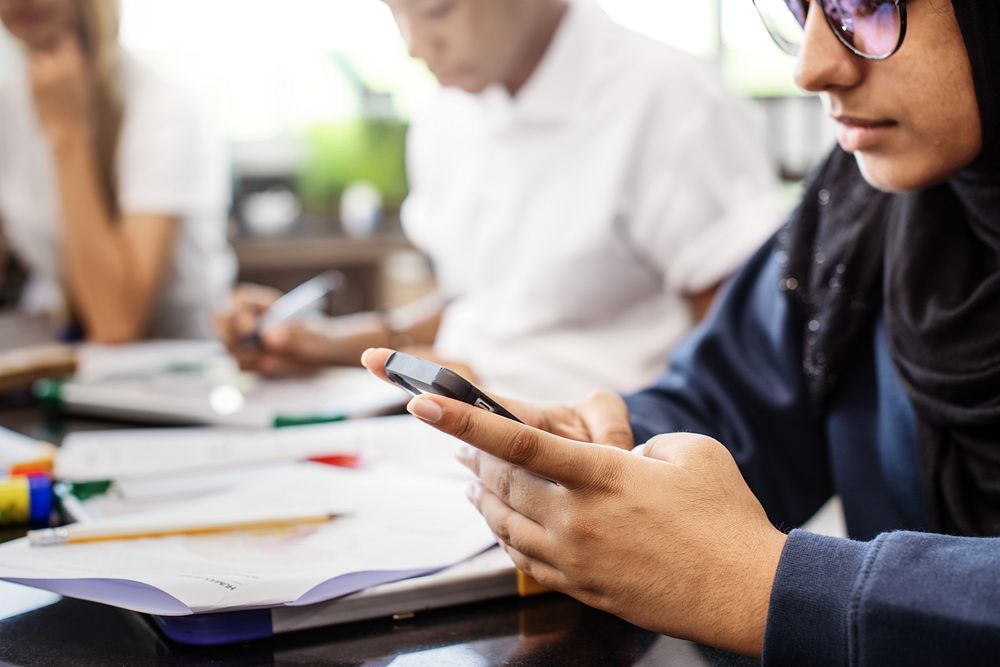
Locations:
393 525
142 454
150 466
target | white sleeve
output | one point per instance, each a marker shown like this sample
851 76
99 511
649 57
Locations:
161 158
706 196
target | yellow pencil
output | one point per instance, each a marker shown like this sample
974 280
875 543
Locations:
81 533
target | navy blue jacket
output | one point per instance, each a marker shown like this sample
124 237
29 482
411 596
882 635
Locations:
889 595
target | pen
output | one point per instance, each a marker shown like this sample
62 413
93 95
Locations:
296 301
83 533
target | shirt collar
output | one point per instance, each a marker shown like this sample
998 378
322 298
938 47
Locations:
557 84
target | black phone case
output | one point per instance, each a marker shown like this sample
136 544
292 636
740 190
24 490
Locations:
419 376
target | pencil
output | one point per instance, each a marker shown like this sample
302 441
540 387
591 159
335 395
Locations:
82 533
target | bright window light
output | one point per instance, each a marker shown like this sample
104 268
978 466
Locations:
681 23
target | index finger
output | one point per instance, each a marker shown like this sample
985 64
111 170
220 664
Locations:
568 463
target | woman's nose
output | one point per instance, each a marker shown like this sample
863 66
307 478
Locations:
823 62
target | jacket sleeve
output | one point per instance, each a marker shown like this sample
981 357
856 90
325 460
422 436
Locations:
901 599
739 379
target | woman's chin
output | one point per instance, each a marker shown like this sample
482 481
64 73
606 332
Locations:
891 174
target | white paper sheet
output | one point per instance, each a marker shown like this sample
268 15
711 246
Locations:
144 454
397 525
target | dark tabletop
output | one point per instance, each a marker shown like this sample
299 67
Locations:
40 628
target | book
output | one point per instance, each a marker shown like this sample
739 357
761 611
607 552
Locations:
30 350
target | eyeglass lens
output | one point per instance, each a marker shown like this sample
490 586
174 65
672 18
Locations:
870 27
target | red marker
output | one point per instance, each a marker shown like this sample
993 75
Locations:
339 460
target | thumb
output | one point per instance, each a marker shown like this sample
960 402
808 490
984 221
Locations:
677 448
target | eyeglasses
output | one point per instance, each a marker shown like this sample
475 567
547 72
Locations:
872 29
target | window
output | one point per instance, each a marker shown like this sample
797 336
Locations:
268 68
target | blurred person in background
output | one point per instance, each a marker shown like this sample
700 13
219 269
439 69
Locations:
112 193
580 189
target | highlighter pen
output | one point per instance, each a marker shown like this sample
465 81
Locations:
295 302
25 499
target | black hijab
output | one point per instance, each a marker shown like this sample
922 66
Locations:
931 260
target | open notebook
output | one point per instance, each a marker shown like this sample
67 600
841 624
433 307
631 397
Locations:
196 382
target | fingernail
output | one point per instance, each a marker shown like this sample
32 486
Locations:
424 407
364 357
472 492
467 457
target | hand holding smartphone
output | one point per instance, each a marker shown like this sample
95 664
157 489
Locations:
419 376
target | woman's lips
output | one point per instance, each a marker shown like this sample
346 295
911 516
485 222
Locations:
862 134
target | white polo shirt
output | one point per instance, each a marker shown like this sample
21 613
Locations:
567 225
168 164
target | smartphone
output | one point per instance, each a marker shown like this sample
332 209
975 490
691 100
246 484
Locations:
419 376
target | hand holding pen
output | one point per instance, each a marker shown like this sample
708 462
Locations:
269 333
295 303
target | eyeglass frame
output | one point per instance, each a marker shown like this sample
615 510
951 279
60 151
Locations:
792 49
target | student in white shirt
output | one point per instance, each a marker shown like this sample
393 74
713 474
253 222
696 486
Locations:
112 194
580 189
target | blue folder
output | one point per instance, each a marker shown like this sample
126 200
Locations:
487 576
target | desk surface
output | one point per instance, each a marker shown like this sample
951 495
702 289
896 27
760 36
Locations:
38 628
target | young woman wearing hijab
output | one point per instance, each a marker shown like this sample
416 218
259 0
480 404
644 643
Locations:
112 194
857 353
580 189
